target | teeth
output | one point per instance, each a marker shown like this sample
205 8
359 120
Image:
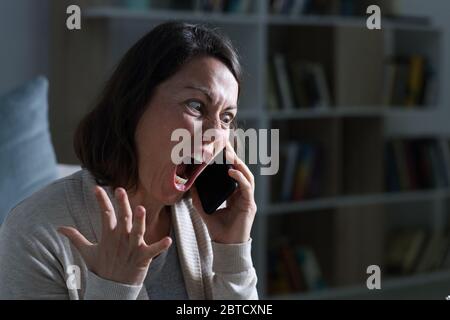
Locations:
187 160
180 180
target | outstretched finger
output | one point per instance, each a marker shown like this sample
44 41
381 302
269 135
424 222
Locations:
124 218
109 220
156 248
76 238
138 229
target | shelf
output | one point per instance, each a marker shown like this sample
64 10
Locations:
353 292
339 112
316 20
157 15
328 113
111 12
358 200
415 111
345 21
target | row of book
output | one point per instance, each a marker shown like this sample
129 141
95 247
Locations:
408 251
416 250
409 81
296 84
319 7
293 268
225 6
300 175
414 165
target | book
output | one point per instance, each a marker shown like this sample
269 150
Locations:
400 160
433 253
416 80
278 281
276 6
322 85
408 81
273 99
292 152
392 178
283 82
226 6
404 248
277 181
298 7
308 173
292 268
304 86
300 175
309 84
310 268
415 164
237 6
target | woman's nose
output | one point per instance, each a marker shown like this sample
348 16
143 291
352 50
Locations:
211 123
212 132
211 135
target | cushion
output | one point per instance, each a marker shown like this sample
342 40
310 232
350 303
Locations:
65 170
27 158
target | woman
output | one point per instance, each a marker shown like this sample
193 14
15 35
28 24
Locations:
130 224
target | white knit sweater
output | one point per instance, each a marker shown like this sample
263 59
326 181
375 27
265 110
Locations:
35 260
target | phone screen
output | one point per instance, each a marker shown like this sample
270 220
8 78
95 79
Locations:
214 185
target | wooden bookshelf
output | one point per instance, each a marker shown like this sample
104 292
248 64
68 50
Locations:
358 200
352 130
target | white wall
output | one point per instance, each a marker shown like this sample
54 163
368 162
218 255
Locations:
24 41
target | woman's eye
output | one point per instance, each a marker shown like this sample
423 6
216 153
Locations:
228 118
196 106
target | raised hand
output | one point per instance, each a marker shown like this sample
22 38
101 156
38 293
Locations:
122 254
233 224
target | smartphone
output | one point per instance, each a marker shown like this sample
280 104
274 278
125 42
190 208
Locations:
214 185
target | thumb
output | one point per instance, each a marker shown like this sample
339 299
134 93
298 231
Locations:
76 238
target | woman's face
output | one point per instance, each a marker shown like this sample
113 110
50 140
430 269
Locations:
202 94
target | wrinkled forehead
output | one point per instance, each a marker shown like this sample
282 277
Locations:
209 77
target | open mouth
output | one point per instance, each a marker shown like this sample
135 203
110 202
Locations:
185 174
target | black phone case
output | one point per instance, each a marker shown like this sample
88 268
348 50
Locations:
214 186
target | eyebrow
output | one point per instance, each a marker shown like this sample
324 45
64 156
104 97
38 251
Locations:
208 95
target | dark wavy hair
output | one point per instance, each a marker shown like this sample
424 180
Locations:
105 139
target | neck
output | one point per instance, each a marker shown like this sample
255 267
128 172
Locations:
155 212
158 219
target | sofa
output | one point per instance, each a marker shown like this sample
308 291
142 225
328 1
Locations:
27 158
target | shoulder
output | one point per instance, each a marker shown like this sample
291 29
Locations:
48 206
